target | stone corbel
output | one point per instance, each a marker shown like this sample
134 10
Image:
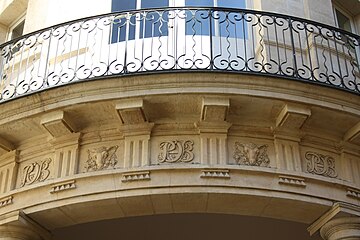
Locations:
213 129
292 117
341 222
16 225
214 109
136 130
287 136
57 124
131 111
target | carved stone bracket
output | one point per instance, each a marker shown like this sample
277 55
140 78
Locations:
57 124
251 154
131 111
36 172
6 201
176 151
290 180
214 109
136 176
101 158
320 164
215 173
292 117
63 186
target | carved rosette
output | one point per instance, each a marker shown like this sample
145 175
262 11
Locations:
320 164
251 154
176 151
101 158
36 172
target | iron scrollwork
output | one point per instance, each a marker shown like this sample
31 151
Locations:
180 39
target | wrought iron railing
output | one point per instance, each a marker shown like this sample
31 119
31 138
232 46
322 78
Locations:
180 39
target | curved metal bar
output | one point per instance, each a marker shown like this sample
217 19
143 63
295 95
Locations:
180 39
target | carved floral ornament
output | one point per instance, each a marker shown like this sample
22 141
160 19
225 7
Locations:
36 172
176 151
251 154
320 164
101 158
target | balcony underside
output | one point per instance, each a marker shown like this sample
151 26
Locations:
218 115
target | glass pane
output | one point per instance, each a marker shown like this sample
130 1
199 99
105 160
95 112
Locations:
122 5
343 21
154 4
201 3
232 24
120 25
156 23
231 3
18 30
198 22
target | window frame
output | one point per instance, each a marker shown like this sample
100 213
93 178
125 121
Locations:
16 23
335 8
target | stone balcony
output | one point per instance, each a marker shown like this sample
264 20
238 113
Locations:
254 114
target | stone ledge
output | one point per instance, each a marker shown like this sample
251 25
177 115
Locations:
6 201
63 186
290 180
215 173
136 176
352 192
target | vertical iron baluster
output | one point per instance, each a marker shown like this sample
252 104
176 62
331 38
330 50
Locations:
211 40
309 51
293 48
337 57
47 61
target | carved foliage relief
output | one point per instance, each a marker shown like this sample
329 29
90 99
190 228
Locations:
36 172
101 158
176 151
320 164
251 154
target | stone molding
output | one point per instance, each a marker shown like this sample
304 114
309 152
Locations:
338 210
290 180
6 201
136 176
8 171
18 233
18 225
215 173
345 228
63 186
352 192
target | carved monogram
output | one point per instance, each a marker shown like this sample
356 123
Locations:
176 151
36 172
320 164
251 154
101 158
